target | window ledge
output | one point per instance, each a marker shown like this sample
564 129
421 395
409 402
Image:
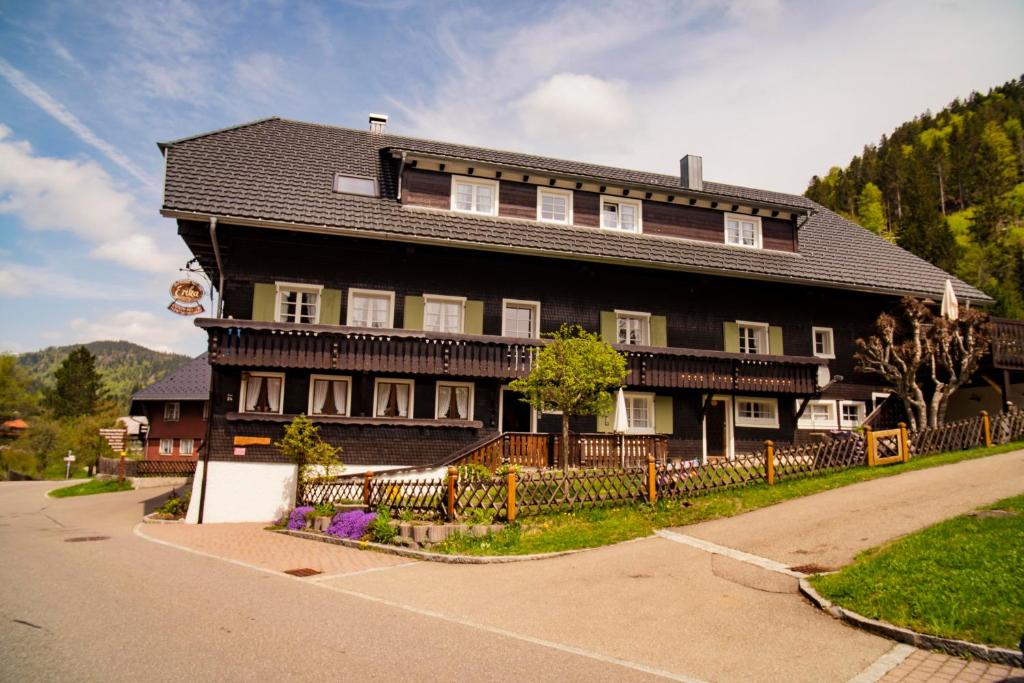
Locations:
365 421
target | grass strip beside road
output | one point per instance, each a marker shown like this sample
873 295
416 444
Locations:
91 487
603 526
962 578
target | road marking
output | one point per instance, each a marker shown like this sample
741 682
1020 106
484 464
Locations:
708 546
357 572
884 664
561 647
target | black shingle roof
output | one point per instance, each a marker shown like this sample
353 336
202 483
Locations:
189 382
283 171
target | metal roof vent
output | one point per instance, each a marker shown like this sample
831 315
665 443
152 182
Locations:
377 122
691 172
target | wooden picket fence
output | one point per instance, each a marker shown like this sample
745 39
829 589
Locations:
535 492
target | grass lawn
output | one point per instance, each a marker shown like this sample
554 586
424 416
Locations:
602 526
92 486
962 578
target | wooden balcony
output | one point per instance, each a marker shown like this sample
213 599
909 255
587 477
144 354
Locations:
252 344
1008 344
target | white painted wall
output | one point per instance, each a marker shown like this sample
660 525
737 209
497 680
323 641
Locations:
970 402
243 492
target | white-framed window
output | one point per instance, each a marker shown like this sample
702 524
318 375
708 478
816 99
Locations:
757 412
393 398
185 446
621 214
172 411
753 337
851 414
454 401
262 392
878 398
475 195
166 446
554 205
520 318
633 327
443 313
743 231
639 413
371 308
298 303
354 184
818 415
329 394
823 339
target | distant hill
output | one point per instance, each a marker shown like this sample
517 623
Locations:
125 367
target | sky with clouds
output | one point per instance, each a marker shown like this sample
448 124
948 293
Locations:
769 92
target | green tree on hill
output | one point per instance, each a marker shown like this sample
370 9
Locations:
17 399
870 213
77 387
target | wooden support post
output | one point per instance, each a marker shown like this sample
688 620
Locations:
769 461
904 443
869 444
511 507
986 426
121 467
652 481
453 482
367 479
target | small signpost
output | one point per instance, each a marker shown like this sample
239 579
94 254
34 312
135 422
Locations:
115 437
69 458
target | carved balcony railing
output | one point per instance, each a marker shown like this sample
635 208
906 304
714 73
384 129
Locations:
252 344
1008 344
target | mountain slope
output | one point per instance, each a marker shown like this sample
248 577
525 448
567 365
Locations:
124 366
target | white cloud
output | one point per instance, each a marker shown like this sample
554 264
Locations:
47 193
260 74
769 93
59 112
161 332
19 280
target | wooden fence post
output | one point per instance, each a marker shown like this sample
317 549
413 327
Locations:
904 443
652 481
453 482
869 444
367 479
769 460
986 425
121 467
511 507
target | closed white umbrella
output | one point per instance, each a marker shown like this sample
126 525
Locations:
950 307
620 423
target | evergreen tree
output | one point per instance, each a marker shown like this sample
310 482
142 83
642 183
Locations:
77 388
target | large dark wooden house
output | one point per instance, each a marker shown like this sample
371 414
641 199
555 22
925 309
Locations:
391 287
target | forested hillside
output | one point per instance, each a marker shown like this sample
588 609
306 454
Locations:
950 188
124 367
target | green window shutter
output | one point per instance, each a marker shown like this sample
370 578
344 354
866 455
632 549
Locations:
663 414
609 327
330 307
474 321
413 313
732 337
659 330
775 341
264 297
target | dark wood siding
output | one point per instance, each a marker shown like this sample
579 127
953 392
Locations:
427 188
586 209
778 234
517 200
689 222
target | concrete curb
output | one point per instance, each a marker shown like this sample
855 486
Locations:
150 519
960 648
438 557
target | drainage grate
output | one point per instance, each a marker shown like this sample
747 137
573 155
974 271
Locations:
83 539
305 571
812 569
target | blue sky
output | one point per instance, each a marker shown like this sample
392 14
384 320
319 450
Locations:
769 92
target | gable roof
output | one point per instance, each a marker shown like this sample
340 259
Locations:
189 382
280 173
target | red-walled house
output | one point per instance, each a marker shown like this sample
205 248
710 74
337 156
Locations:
177 408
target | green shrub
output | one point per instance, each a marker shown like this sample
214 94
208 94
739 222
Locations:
474 472
507 469
324 510
380 528
480 516
176 506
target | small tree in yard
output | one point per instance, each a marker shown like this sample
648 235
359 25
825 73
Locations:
924 357
576 373
302 445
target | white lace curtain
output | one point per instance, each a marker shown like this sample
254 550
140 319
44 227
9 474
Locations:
252 392
403 399
274 393
319 396
340 389
444 402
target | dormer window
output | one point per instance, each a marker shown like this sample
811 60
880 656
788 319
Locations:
620 214
743 231
554 206
351 184
475 195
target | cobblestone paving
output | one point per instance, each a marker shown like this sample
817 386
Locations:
927 666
